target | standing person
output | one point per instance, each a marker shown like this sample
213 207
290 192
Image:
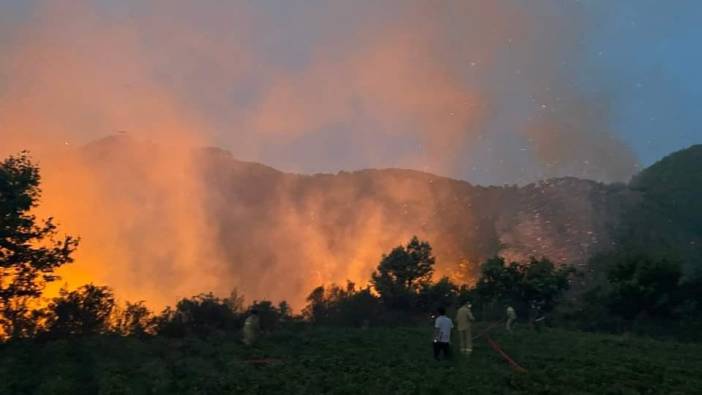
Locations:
536 317
252 326
511 317
464 317
442 334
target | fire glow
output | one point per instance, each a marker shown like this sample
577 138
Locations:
411 78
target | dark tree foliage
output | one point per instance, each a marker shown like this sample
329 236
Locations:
335 305
200 315
270 315
85 311
641 285
442 293
691 296
235 301
317 307
402 283
668 215
498 280
633 290
285 312
206 314
135 319
30 249
522 284
401 273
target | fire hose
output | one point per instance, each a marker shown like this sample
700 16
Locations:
504 355
496 347
263 361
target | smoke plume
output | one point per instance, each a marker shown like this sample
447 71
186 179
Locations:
323 86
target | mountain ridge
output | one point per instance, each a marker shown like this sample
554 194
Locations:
279 234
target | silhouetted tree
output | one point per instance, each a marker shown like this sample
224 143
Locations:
84 311
544 282
401 273
201 315
521 284
442 293
498 280
285 311
335 305
30 250
235 301
317 309
135 319
270 315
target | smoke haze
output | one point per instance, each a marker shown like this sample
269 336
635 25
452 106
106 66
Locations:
324 86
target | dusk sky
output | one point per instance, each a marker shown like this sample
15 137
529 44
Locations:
492 92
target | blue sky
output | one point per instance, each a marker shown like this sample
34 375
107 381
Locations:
653 56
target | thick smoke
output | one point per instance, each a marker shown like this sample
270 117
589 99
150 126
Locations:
317 86
138 207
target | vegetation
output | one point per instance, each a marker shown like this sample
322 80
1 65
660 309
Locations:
643 286
667 219
30 250
637 292
522 285
85 311
350 339
318 360
348 306
401 273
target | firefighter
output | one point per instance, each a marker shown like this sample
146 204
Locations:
511 317
464 317
252 327
536 316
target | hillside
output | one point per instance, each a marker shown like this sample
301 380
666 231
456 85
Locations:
668 216
278 235
349 219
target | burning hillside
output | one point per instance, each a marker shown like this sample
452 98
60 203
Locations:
166 222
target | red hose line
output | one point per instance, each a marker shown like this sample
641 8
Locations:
504 355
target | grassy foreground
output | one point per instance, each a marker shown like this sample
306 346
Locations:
351 361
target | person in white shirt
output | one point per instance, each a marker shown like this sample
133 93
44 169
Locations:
442 335
511 317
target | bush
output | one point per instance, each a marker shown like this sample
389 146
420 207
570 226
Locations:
343 306
442 293
200 315
85 311
644 287
271 316
521 284
135 319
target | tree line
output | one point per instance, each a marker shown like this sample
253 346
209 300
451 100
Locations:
621 290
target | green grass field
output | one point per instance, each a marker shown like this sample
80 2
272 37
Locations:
351 361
